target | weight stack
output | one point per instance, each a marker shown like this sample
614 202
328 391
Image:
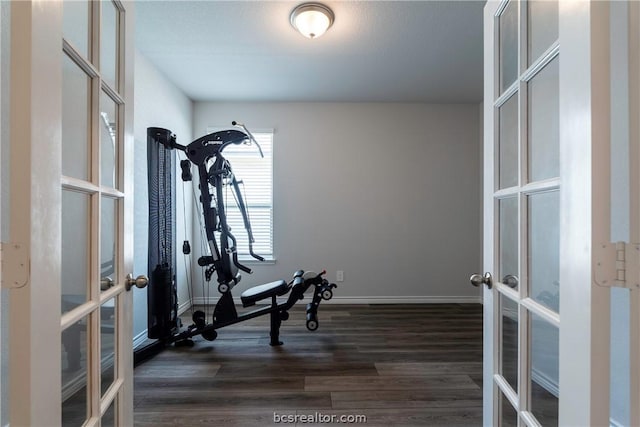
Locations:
162 291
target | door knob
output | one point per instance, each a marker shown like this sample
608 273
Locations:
106 283
477 280
510 280
139 282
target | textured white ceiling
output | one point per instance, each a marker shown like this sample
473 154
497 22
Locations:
382 51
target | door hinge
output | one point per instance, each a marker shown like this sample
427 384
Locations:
617 265
15 265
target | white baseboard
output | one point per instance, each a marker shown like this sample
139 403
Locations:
140 339
545 382
373 300
73 385
614 423
404 300
184 307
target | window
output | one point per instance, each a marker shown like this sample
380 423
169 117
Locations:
255 175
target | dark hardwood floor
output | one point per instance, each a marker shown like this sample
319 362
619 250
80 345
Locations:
398 365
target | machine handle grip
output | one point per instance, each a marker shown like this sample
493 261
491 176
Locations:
255 255
236 262
251 138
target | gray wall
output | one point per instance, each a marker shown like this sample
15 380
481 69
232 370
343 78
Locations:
157 102
386 192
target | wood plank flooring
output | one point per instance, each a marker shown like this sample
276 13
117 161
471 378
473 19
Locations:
398 365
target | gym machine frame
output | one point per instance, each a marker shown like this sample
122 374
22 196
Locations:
215 173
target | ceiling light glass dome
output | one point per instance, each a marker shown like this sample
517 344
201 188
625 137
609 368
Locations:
312 19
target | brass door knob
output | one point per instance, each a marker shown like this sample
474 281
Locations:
106 283
478 279
139 282
510 280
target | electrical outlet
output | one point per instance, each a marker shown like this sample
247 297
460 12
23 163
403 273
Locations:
339 276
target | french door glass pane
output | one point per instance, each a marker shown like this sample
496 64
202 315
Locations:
108 140
108 230
508 143
85 216
508 29
544 370
508 415
107 344
109 417
76 99
76 24
509 348
109 44
74 373
544 248
508 241
543 26
75 249
620 366
543 124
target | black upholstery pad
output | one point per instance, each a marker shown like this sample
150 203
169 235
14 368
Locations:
260 292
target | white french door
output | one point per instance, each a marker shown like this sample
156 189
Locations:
547 215
71 358
522 213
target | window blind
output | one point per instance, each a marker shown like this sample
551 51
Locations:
255 175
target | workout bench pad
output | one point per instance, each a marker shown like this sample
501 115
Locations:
260 292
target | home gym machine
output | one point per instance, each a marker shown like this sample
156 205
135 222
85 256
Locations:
215 178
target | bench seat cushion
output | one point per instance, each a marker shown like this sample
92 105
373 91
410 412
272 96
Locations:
260 292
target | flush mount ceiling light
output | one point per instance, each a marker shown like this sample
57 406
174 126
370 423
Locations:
311 19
